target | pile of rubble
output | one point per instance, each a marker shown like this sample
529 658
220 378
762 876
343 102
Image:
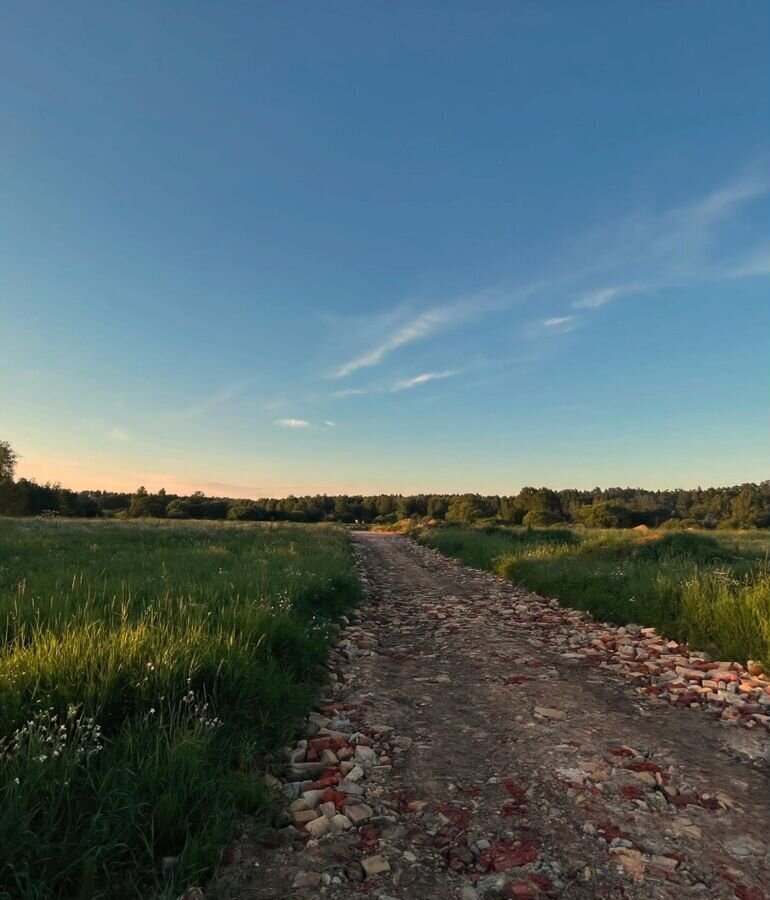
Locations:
333 776
670 671
662 669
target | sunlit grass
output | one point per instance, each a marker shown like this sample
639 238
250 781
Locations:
710 590
147 671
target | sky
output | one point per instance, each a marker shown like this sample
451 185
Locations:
258 249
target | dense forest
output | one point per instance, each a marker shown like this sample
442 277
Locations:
740 506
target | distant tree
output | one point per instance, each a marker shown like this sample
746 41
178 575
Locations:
144 505
524 500
466 509
34 499
414 505
112 501
539 518
247 511
544 508
66 502
343 510
212 509
747 509
10 504
386 505
604 514
8 460
570 502
177 509
140 503
739 506
437 507
509 511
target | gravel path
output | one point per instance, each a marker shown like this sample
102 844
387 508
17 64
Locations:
494 766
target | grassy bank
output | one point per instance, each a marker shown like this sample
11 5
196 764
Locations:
711 590
147 672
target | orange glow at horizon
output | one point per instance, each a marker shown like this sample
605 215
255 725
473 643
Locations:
87 476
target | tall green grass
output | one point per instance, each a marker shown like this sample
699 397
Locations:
712 591
147 674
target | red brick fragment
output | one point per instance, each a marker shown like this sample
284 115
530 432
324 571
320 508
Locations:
511 809
744 892
501 857
542 881
631 792
520 890
457 815
335 797
663 874
328 779
609 832
684 800
369 838
643 767
515 792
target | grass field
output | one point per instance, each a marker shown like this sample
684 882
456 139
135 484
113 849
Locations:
711 589
147 672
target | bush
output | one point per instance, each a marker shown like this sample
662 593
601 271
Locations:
540 518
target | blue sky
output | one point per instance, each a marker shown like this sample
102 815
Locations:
272 248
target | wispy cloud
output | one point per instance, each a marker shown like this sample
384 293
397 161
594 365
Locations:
544 330
686 244
292 423
349 392
439 318
409 383
723 201
422 326
304 423
698 241
205 404
695 239
119 434
599 297
755 265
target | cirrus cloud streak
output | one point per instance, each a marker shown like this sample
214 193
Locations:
407 384
292 423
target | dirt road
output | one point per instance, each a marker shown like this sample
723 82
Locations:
494 767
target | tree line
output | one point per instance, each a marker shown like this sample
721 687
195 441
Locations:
739 506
